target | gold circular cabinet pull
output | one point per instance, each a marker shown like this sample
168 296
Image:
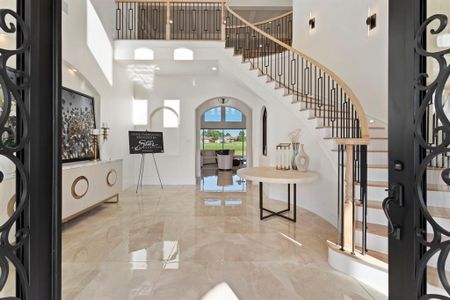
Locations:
111 178
75 193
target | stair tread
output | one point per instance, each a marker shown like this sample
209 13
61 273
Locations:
329 127
376 229
323 117
372 138
368 150
370 204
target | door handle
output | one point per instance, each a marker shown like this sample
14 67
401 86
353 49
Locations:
395 196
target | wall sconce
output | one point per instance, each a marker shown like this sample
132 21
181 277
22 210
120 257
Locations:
312 23
371 21
105 131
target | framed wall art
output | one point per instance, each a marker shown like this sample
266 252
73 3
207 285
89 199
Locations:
78 119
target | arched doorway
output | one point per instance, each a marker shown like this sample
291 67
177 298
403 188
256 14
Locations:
224 144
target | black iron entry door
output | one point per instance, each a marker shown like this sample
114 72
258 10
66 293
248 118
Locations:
419 149
29 149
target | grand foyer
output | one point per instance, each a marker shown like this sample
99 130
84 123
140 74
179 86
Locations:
72 217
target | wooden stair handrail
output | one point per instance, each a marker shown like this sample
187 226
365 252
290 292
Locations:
273 19
170 1
354 100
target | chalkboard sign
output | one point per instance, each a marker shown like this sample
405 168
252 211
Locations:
142 142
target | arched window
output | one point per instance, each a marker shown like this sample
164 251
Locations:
264 131
183 54
143 54
224 128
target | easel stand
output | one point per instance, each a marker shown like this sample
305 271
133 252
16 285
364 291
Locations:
141 173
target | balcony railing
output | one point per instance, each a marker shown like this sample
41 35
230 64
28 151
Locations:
184 20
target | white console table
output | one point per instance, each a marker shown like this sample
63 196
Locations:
272 175
85 185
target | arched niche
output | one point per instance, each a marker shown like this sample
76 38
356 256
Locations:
171 134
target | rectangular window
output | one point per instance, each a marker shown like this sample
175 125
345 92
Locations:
171 115
140 112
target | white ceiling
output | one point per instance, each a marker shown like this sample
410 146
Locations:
170 67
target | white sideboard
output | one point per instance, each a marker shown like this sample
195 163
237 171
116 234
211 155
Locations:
85 185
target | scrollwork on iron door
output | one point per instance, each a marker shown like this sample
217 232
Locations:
435 140
14 83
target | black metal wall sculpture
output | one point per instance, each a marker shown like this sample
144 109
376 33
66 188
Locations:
13 92
433 134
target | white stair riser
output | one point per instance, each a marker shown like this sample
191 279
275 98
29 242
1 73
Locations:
378 144
373 158
379 158
374 242
438 199
378 133
377 174
434 198
381 174
330 131
373 193
374 216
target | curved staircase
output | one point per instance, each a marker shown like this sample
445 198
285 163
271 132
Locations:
370 223
359 147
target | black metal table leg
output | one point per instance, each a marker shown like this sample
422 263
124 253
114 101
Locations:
295 202
289 196
261 196
277 213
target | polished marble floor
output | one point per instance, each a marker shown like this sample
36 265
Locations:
222 182
181 243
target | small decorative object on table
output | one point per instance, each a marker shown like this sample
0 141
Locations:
95 134
283 159
294 136
302 160
104 155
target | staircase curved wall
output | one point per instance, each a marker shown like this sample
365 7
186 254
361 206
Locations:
341 41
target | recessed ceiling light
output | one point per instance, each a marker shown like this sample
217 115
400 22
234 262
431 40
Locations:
214 68
170 21
74 70
157 68
372 121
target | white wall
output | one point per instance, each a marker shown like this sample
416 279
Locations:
183 157
341 42
114 101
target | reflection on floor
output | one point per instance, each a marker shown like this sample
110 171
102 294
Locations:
215 180
181 243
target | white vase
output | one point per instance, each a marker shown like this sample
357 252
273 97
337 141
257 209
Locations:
302 160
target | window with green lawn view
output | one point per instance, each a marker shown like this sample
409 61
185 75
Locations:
225 139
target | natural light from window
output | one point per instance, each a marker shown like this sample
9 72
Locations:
140 110
232 115
143 54
214 115
172 115
221 291
98 42
183 54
